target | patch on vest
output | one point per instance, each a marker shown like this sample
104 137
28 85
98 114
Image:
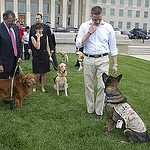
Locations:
131 118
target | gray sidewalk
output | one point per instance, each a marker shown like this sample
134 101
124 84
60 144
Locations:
139 42
145 57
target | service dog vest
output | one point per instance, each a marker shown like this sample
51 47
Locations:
131 118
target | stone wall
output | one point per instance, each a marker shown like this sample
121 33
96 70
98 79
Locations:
65 42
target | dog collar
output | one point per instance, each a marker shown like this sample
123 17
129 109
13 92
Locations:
111 95
115 98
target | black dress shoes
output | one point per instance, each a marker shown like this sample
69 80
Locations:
99 117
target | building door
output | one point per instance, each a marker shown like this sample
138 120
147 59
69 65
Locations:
22 19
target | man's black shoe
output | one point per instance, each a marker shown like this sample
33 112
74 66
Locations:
99 117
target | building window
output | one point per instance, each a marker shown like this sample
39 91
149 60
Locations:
69 9
21 7
120 25
121 12
129 13
104 1
45 8
56 20
33 19
113 1
68 21
130 2
145 26
94 1
121 2
147 3
137 14
138 3
112 23
128 25
45 19
57 9
9 6
104 11
136 25
145 14
112 12
34 7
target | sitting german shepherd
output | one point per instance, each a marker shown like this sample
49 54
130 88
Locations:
120 112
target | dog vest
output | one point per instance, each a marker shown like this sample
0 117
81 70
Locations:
131 118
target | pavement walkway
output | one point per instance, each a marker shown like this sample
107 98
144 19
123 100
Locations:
145 57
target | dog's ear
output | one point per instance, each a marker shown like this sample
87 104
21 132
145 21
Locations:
118 78
104 77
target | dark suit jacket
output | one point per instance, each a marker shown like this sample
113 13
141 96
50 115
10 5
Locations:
7 57
46 31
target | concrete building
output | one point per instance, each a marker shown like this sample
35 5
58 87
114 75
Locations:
122 14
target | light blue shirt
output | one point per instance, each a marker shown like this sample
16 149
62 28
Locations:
102 41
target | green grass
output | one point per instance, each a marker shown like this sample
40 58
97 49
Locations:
51 122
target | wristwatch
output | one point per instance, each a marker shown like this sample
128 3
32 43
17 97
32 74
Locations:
89 33
115 65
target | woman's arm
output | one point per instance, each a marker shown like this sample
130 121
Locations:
35 43
48 49
47 46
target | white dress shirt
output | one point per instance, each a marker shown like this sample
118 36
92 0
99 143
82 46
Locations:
102 41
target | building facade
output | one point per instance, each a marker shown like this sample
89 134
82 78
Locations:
122 14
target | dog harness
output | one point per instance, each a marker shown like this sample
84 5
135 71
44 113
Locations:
131 118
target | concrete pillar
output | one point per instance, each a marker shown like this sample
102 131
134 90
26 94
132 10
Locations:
76 13
87 10
28 13
52 13
2 8
41 7
64 12
16 8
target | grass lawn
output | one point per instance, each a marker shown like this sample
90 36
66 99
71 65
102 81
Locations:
50 122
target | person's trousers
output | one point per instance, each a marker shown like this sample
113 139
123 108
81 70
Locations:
95 67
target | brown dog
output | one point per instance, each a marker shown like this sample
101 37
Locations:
60 81
121 113
21 88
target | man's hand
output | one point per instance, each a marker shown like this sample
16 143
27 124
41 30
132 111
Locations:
30 51
1 68
114 69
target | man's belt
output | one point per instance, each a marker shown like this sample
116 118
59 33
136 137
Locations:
97 55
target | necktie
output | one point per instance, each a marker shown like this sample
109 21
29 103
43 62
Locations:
13 42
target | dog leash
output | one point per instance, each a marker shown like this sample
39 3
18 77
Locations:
53 65
12 87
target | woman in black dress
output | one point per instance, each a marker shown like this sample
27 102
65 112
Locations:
41 54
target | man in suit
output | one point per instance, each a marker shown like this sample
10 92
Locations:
8 56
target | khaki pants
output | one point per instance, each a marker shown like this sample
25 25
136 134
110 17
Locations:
95 67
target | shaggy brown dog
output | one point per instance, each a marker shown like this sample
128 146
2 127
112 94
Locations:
120 112
60 81
21 88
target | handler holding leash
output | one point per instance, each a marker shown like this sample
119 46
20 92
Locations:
98 39
10 45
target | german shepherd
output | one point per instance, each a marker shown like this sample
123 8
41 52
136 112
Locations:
119 112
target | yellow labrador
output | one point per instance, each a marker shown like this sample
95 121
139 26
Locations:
60 81
64 57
